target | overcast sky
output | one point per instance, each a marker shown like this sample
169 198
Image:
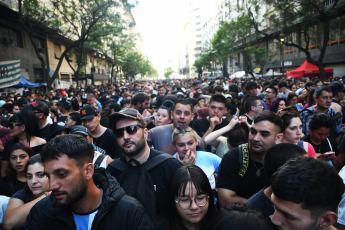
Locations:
160 22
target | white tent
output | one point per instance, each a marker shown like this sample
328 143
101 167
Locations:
239 74
272 73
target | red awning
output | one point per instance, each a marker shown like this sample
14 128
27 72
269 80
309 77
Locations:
308 70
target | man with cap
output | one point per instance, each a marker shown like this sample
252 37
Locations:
105 101
41 111
65 108
99 158
102 136
131 136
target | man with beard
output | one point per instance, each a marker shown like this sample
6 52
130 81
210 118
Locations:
241 172
323 98
140 102
82 196
131 136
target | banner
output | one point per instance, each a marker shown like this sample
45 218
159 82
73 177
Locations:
9 73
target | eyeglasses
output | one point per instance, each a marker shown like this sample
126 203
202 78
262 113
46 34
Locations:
131 130
267 91
186 202
12 125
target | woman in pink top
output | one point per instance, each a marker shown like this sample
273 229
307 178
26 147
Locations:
292 130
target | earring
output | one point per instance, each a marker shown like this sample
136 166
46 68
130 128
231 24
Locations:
320 226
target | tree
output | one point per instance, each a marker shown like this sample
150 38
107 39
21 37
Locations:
246 44
82 20
303 22
34 16
167 72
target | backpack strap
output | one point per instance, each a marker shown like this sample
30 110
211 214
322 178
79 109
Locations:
157 160
99 160
119 165
243 158
153 162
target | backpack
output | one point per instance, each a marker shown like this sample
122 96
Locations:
243 159
333 116
136 181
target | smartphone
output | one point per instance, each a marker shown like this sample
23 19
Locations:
148 119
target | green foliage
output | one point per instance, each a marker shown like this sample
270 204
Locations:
308 20
167 72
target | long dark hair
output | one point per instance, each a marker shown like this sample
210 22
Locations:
12 173
177 186
29 119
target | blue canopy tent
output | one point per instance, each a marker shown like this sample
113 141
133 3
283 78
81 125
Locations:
28 84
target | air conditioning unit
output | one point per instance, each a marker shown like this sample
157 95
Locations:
6 41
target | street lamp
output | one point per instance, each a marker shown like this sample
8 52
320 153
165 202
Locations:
211 69
282 39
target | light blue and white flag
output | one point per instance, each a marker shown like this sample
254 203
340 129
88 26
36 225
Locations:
9 73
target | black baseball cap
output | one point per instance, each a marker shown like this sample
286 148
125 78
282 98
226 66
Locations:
39 106
88 112
79 129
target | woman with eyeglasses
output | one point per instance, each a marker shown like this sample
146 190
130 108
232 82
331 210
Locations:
292 130
189 200
16 178
25 130
23 200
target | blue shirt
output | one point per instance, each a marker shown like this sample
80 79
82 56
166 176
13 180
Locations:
209 163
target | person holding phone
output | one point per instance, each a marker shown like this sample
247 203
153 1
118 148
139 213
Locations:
320 126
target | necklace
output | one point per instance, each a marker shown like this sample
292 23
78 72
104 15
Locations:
258 172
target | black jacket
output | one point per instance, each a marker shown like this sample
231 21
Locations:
117 211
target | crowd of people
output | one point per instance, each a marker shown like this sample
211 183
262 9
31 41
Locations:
175 154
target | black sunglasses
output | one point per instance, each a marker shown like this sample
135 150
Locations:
11 125
131 130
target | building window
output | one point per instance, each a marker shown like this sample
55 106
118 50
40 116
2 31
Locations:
11 37
57 50
38 73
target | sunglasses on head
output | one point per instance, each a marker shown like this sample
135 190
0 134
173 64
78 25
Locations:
131 130
11 125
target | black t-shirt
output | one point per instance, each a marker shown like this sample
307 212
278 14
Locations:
245 186
8 187
44 132
24 195
160 176
107 141
324 146
201 126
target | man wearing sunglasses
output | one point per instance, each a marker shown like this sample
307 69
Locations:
239 181
131 136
